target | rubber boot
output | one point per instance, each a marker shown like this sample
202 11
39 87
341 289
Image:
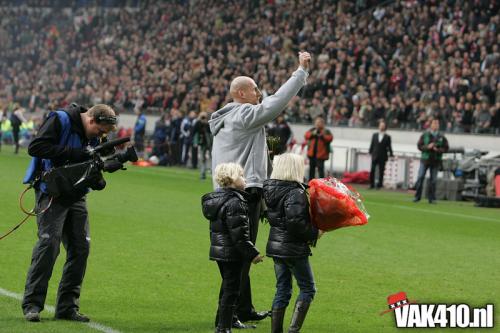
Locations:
277 317
298 317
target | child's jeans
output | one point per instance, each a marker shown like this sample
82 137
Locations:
301 270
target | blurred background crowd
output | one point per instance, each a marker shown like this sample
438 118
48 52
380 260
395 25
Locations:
406 62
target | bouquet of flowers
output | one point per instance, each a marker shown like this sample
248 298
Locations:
272 145
333 205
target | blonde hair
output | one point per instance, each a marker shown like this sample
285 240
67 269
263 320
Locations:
288 167
226 174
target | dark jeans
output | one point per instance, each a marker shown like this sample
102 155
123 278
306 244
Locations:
139 145
316 163
301 270
231 279
186 147
421 178
205 156
245 305
69 224
381 167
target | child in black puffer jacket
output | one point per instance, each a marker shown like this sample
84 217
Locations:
290 238
230 244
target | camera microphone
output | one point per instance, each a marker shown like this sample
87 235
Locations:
111 144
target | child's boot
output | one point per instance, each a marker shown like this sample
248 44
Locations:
298 317
277 317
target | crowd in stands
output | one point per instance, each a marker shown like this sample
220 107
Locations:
403 61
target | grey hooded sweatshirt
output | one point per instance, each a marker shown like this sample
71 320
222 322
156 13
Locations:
239 134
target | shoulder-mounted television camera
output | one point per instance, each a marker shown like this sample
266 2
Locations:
72 181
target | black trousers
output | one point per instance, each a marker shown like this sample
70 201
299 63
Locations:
15 134
61 222
381 167
194 157
230 272
245 305
316 163
229 291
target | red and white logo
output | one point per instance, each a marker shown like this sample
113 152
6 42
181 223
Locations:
409 314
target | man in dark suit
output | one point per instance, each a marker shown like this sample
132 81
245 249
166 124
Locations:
380 149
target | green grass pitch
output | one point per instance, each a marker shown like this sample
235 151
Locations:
149 271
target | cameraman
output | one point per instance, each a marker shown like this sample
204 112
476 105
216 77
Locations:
61 140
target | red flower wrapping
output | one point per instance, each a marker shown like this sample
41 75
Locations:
334 206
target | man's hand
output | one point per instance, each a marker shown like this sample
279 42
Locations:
430 146
257 259
320 233
304 60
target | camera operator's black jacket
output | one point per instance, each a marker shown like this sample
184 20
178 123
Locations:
46 142
227 211
47 145
291 231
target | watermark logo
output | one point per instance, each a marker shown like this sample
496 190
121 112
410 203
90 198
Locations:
410 314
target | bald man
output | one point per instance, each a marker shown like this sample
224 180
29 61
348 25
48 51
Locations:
239 137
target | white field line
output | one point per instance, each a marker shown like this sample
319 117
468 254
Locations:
464 216
51 309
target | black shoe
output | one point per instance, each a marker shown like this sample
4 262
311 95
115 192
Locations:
255 316
416 200
239 325
433 202
74 316
32 315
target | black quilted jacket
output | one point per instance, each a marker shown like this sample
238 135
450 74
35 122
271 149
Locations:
291 231
227 211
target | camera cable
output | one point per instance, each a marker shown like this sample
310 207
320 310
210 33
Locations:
28 213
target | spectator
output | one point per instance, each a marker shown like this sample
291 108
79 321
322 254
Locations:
175 134
432 144
482 118
495 118
3 116
318 140
421 50
202 139
16 120
186 137
380 149
279 128
161 145
139 132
